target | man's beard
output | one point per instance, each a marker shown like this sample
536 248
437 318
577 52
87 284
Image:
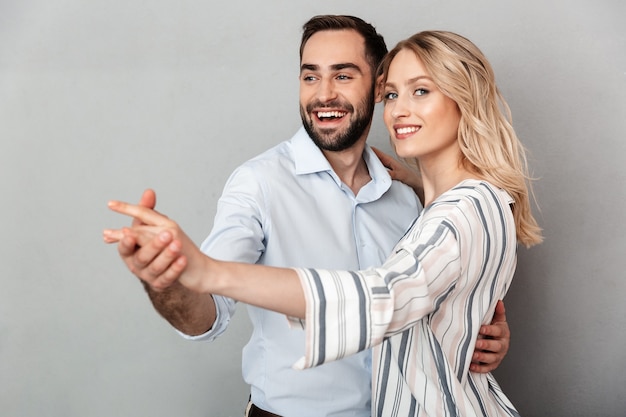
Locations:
339 140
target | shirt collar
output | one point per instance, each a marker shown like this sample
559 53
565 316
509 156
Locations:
310 159
307 156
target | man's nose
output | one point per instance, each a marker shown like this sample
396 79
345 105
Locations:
326 91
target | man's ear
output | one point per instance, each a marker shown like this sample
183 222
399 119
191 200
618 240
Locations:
378 89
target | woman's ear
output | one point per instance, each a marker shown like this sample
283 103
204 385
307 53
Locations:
378 89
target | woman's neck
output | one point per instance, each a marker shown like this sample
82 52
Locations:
437 182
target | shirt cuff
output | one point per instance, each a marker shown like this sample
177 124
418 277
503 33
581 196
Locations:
222 319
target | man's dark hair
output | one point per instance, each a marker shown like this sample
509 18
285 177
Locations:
375 47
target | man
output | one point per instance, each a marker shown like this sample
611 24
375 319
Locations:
321 199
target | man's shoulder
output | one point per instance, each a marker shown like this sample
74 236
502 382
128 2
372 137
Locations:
276 158
264 168
403 194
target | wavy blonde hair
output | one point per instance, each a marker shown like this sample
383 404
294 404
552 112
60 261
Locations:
488 143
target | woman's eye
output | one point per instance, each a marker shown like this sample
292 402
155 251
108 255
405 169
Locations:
390 95
421 92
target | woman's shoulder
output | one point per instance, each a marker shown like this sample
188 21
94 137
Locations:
475 191
469 198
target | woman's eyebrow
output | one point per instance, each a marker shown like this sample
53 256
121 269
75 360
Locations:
410 80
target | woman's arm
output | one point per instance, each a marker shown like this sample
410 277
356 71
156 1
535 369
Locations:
348 312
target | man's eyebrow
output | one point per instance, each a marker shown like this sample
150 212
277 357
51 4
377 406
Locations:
334 67
347 65
308 67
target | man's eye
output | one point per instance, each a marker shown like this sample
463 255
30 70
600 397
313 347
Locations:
343 77
308 78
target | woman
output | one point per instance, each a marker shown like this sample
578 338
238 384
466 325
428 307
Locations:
421 311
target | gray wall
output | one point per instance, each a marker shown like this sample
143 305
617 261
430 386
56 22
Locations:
100 99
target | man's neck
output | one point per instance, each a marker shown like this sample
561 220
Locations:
350 166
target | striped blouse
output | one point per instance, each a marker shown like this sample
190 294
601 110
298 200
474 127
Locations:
422 310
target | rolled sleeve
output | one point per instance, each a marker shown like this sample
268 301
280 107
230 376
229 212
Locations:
225 308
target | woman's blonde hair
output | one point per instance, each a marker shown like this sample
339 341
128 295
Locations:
488 143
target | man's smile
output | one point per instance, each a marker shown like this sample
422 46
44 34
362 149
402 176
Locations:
325 115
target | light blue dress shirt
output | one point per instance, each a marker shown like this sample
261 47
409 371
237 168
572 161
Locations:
287 207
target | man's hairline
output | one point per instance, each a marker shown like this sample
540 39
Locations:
363 49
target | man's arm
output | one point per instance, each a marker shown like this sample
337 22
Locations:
493 345
190 312
189 266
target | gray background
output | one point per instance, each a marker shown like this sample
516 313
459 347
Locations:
101 99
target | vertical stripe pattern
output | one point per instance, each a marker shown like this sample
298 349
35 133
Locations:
422 310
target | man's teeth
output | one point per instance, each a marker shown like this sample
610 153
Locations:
406 130
326 114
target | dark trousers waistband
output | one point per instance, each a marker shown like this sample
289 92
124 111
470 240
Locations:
254 411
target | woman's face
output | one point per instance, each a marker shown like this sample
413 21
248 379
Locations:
422 121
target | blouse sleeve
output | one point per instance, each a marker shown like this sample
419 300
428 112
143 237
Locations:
348 312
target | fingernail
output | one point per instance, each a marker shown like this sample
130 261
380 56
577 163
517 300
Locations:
165 236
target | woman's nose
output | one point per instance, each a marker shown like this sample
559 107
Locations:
400 108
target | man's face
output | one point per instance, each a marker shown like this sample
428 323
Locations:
336 89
